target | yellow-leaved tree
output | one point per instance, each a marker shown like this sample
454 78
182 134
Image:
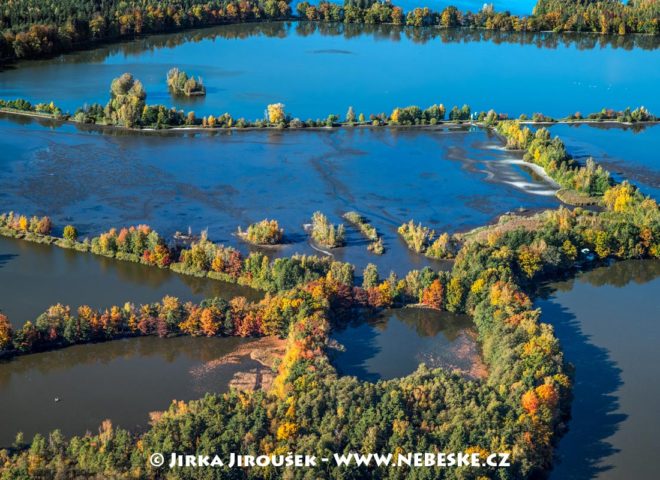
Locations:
276 113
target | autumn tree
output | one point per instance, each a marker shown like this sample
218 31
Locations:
454 294
432 296
370 276
6 333
70 233
276 114
127 101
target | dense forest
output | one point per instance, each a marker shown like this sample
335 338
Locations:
34 28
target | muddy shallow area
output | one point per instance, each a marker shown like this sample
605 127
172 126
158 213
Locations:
450 179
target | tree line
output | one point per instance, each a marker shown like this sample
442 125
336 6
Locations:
602 16
367 229
127 107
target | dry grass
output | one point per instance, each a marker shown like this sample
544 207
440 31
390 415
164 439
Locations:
577 199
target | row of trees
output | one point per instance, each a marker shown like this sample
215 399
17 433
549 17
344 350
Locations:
127 107
23 224
549 153
603 16
368 230
59 326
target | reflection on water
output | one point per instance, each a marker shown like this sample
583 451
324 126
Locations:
35 276
394 344
121 380
246 67
607 323
449 179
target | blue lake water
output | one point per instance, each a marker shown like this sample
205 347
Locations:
318 70
629 153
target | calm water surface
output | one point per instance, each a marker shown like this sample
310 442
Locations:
607 323
394 344
629 153
34 276
122 381
318 71
447 179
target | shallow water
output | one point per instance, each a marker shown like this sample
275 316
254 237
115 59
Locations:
318 70
397 342
121 380
607 323
34 277
450 180
629 153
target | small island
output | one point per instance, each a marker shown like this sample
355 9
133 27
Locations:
325 233
181 84
263 233
368 230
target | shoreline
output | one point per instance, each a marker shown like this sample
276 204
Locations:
67 120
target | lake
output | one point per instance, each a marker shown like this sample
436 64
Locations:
396 342
449 179
35 276
316 70
628 152
122 380
607 323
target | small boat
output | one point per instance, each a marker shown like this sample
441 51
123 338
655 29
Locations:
181 239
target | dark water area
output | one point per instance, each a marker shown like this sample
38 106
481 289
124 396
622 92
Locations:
607 323
398 341
448 179
122 380
628 152
316 70
34 277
